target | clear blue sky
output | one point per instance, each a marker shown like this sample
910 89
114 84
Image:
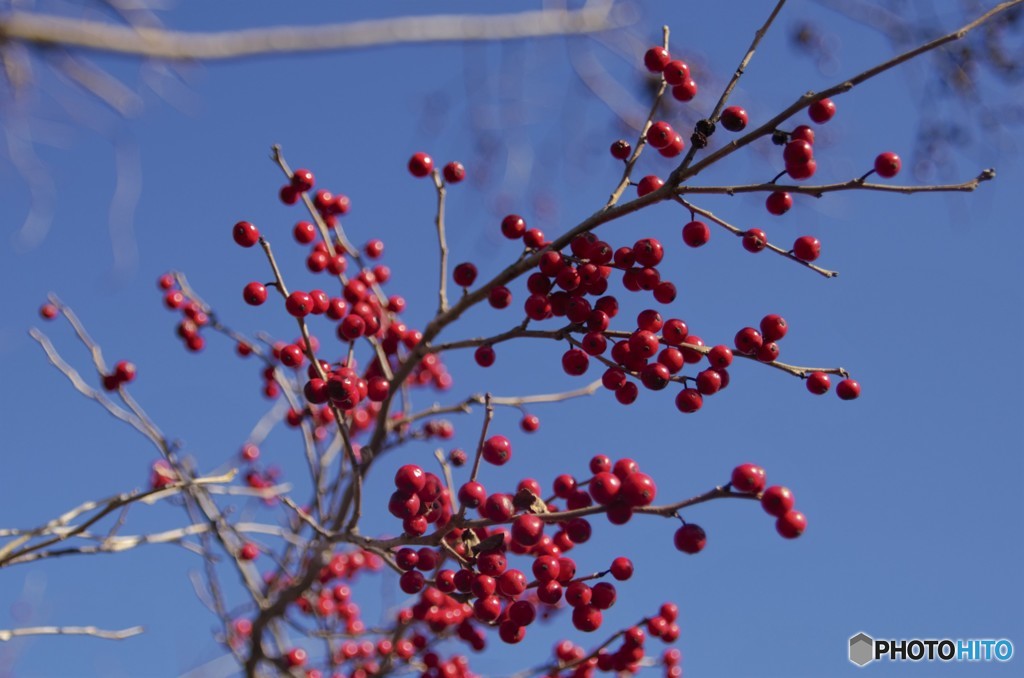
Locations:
911 492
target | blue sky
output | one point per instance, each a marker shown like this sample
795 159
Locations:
910 492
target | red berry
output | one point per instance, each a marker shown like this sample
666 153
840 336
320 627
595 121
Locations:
586 618
791 524
420 165
803 132
245 234
497 450
575 362
484 356
604 488
530 423
656 58
166 281
638 489
302 180
685 91
778 202
472 494
655 376
374 249
249 551
648 184
296 657
464 274
660 134
299 304
622 568
720 356
777 500
748 341
674 148
734 119
665 293
797 152
773 327
288 195
755 240
500 297
848 389
818 383
410 478
627 393
48 311
709 382
513 227
291 356
748 478
769 352
676 72
689 400
304 232
411 582
454 172
690 538
534 238
621 149
822 111
805 171
807 248
648 252
888 165
527 529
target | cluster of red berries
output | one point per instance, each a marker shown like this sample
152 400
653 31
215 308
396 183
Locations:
329 206
776 500
421 165
419 500
194 316
666 140
675 72
627 657
123 373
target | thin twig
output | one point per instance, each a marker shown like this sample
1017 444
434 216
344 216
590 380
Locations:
641 140
7 634
154 43
740 70
853 184
442 290
769 246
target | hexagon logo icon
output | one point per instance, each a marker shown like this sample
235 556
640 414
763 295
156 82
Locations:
862 649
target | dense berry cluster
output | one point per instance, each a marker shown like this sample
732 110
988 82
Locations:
481 563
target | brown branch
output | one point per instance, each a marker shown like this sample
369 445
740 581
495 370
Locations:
442 289
47 30
641 140
769 246
853 184
740 70
683 172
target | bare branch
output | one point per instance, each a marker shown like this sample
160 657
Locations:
46 30
851 185
7 634
739 232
